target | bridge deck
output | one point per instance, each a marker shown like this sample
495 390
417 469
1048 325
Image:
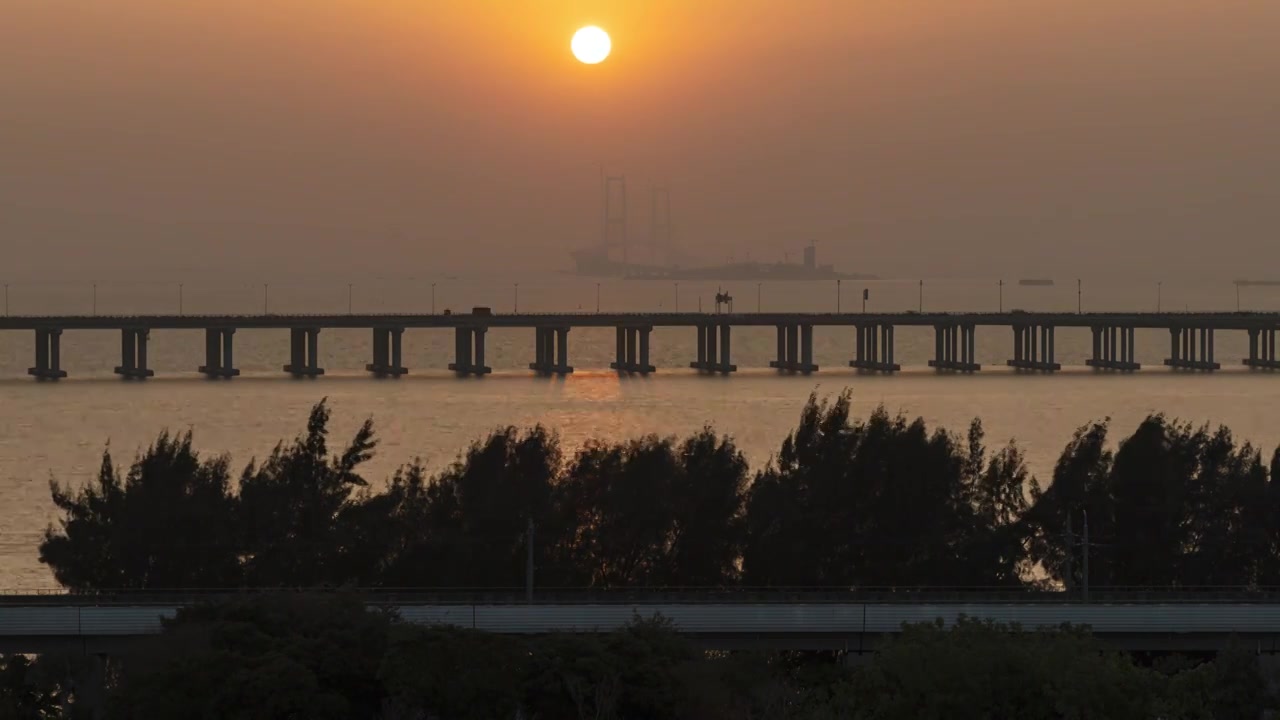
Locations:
1224 321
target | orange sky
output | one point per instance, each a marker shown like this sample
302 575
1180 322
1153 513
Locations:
913 137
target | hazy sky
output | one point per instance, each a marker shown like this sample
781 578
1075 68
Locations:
907 137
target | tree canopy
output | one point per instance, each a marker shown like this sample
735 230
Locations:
845 502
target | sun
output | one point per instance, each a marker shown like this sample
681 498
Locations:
591 45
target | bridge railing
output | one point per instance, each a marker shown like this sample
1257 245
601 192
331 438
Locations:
663 595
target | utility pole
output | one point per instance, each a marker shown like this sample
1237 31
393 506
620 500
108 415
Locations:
1159 293
180 298
95 298
264 299
758 293
837 296
1079 296
1068 570
516 302
677 297
528 563
348 298
1237 296
920 307
1002 295
433 298
6 299
1084 581
597 298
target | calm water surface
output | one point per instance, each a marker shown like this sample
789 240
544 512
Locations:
59 430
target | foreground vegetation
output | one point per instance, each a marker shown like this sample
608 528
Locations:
327 657
845 502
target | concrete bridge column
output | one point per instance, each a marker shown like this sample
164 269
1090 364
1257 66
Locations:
795 349
48 355
551 351
219 353
718 359
874 349
1262 349
1033 348
1113 348
1190 352
726 360
955 346
304 347
634 350
133 354
387 343
645 367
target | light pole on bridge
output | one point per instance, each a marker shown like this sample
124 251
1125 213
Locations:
758 292
95 298
677 297
1079 297
1002 295
1159 294
349 286
516 300
180 299
837 296
597 298
920 306
433 298
265 311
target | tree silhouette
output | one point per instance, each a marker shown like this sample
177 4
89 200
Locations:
649 512
291 506
168 523
883 503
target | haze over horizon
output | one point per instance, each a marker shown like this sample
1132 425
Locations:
915 138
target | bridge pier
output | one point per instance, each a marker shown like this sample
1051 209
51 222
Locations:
133 354
632 354
1182 349
469 351
48 355
954 345
1033 348
304 346
875 349
551 351
218 353
386 352
795 349
713 358
1112 348
1262 349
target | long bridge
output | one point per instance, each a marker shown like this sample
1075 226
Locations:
853 622
871 337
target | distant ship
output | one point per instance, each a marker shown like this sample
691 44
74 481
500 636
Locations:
594 262
1035 282
601 261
